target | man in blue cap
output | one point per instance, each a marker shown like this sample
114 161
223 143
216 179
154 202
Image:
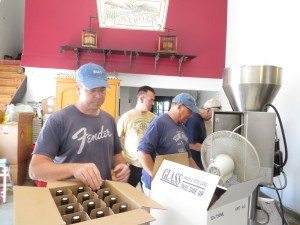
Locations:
81 140
166 134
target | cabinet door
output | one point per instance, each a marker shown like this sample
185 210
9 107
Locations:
66 94
111 103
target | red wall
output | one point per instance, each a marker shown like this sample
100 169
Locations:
199 24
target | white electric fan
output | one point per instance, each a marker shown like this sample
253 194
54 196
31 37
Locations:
230 156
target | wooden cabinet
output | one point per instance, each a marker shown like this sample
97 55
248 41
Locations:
66 94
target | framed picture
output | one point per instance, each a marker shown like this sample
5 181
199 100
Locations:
133 14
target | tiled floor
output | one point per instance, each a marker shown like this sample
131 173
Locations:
6 212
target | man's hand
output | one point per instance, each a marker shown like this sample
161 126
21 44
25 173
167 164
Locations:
121 172
89 174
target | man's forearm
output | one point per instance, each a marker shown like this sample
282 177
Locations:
43 168
197 146
146 161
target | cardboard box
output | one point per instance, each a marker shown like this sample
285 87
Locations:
18 173
16 138
193 197
43 209
48 105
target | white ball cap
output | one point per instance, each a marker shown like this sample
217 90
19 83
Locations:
212 103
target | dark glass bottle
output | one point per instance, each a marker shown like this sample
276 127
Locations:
100 214
64 200
112 201
69 209
105 193
75 219
90 207
80 189
59 192
85 197
122 208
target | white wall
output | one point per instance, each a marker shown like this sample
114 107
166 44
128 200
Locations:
41 84
267 32
11 27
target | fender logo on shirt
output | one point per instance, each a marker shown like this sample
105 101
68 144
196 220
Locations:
83 136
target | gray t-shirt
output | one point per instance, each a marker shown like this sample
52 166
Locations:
70 136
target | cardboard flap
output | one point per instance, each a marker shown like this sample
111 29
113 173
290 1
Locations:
236 192
174 181
180 158
135 195
64 183
34 209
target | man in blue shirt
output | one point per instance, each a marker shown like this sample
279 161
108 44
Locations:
166 134
196 133
197 127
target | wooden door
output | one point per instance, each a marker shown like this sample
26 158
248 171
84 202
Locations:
66 94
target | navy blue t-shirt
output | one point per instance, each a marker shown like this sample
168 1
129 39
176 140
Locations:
196 134
163 137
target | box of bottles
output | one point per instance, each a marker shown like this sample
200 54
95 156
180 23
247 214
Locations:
70 202
194 197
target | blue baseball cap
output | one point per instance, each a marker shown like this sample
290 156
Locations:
187 100
91 76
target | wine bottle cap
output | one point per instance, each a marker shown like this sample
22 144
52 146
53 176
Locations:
91 203
59 192
99 213
85 196
64 200
75 219
80 189
122 208
69 209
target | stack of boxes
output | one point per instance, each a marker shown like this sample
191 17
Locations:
16 145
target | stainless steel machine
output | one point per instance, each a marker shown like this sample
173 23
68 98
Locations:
249 89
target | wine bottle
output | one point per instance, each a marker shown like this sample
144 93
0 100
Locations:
64 200
90 207
59 192
69 209
80 189
105 193
75 219
100 214
85 197
122 208
112 201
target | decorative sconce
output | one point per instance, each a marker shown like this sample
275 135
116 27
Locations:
89 37
167 43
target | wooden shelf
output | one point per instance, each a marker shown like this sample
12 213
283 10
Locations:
130 53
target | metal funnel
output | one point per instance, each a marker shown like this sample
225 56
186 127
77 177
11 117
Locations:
249 88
